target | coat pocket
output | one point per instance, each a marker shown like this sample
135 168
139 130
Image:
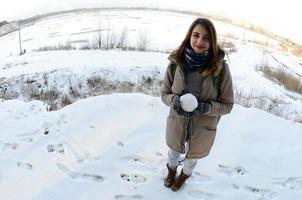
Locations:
205 122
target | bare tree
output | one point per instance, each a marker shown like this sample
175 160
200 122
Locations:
112 39
100 35
122 40
107 37
142 40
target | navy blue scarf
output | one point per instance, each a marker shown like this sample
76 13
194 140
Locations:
195 61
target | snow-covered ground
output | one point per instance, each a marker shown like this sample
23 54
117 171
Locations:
82 28
113 147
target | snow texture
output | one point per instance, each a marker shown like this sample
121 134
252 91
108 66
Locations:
113 147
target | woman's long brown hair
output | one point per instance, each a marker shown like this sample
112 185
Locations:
216 53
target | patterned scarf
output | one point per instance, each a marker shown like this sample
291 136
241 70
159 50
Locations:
195 60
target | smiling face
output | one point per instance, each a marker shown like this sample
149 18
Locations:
199 40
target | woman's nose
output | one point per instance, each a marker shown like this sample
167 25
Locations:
200 41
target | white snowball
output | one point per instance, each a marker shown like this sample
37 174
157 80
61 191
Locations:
188 102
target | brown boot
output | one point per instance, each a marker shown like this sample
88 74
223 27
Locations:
169 180
179 182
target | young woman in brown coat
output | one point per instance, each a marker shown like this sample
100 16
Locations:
197 66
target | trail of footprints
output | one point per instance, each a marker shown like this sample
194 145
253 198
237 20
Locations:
141 163
144 167
137 170
231 171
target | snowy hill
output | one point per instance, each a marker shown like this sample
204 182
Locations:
113 147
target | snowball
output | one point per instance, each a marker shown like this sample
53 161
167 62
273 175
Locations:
188 102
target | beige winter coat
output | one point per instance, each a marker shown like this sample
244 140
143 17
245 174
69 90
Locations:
203 127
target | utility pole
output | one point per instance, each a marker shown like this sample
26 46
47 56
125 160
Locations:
19 27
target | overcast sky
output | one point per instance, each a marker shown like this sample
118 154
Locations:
282 17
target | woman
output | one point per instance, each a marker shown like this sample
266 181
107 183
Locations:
197 66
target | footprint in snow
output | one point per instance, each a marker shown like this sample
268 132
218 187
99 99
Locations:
200 178
24 165
80 176
159 154
235 186
92 177
141 163
120 143
293 183
127 197
133 178
231 171
55 147
264 194
8 146
199 194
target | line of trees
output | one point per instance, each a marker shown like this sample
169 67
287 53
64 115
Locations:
107 38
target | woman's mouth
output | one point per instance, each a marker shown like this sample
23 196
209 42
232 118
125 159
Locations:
200 47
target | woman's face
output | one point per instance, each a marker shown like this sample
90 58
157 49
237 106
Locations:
200 40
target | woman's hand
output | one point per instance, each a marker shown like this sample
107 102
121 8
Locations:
203 108
183 113
176 102
176 105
